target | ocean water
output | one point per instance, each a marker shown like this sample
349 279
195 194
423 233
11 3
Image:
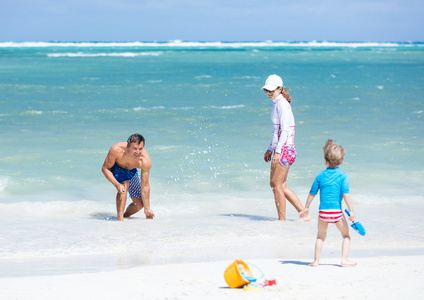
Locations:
207 125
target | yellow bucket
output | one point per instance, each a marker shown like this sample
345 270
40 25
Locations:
233 276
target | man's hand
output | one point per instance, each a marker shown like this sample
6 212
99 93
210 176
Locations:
120 188
149 213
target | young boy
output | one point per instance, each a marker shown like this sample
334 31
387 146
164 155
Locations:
334 186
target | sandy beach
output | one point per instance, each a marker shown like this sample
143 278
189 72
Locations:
386 277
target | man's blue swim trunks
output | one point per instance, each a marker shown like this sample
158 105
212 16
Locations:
132 176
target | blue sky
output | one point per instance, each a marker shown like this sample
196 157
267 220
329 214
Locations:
211 20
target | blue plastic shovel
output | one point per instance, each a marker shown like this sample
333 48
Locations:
356 225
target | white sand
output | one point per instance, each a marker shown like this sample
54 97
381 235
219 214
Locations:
388 277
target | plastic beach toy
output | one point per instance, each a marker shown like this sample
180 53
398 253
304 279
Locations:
238 274
251 288
270 282
356 225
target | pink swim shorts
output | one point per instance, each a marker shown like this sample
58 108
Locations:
288 155
331 215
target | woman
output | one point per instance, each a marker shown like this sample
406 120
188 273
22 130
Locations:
282 146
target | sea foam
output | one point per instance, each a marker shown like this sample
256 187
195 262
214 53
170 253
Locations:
3 183
124 54
217 44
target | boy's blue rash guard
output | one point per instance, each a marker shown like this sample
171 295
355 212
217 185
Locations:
332 183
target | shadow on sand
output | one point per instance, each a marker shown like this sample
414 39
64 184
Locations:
303 263
103 216
251 217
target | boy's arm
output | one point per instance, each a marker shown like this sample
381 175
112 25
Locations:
349 204
309 200
308 203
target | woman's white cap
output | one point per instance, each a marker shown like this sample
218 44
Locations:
272 82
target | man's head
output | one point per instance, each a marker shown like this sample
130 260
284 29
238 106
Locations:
135 138
135 145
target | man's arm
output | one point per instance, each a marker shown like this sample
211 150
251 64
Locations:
108 163
145 188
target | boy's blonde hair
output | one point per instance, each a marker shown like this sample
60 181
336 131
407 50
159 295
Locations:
333 154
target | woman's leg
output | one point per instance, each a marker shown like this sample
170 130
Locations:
282 191
292 197
278 179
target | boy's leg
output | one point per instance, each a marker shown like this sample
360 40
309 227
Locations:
344 230
322 234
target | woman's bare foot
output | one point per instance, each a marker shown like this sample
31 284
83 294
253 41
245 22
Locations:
348 263
306 218
314 264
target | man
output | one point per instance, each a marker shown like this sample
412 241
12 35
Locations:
120 168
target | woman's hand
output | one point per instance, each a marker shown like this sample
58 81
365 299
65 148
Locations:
267 156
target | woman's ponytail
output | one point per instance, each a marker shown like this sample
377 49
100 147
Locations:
286 94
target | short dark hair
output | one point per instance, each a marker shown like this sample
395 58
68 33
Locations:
135 138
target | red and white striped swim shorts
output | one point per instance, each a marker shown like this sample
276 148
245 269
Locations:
331 215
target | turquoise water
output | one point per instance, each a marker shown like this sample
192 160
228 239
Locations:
203 114
206 124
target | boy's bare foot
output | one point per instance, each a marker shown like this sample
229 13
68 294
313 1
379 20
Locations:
314 264
348 263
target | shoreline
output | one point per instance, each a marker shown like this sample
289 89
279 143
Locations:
145 244
95 263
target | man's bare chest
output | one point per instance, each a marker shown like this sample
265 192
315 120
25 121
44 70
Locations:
128 163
